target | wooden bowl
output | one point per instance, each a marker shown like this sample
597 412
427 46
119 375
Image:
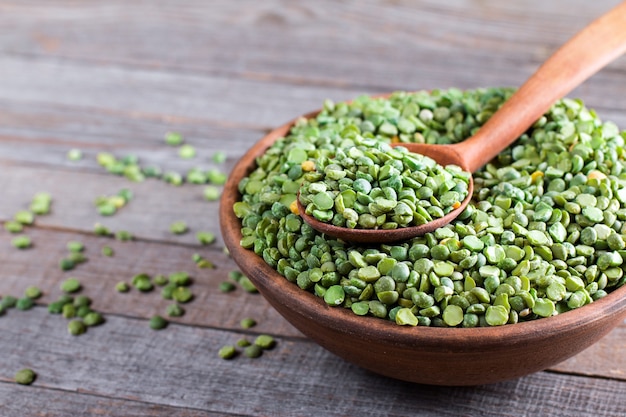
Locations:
428 355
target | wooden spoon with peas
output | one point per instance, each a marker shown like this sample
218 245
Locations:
598 44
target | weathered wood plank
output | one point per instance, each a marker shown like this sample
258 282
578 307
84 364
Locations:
603 358
43 133
38 266
149 93
178 367
154 207
248 38
53 403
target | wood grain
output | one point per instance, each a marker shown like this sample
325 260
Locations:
42 133
605 358
154 206
46 402
158 94
407 39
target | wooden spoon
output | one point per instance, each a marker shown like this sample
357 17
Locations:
595 46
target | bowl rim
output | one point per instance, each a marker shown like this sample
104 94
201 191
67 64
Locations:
345 321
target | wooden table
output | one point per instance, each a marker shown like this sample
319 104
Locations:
115 76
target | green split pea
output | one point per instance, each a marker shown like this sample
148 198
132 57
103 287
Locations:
179 228
70 285
21 242
158 323
370 185
25 376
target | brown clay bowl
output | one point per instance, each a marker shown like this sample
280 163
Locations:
438 356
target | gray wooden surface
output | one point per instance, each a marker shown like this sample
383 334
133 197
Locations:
115 76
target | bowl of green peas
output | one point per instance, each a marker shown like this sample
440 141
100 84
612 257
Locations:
530 274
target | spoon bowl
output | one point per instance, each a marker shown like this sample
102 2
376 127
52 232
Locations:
385 235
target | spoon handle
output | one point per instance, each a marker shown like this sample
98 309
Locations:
592 48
